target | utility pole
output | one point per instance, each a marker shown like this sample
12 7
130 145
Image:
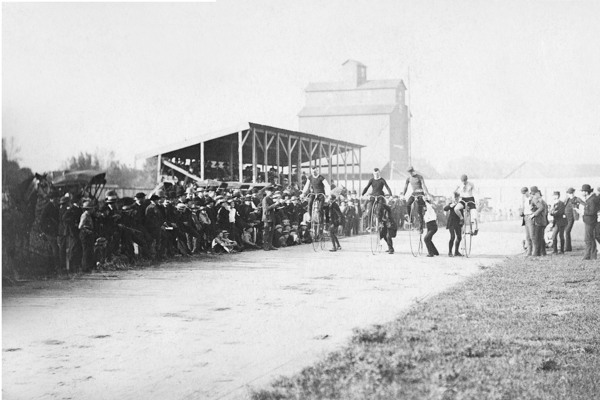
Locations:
409 122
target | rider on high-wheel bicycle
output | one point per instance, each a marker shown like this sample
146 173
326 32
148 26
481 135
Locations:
419 190
319 186
378 183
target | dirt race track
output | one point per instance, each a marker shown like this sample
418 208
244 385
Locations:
211 327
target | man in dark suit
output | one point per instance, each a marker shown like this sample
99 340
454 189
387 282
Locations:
49 227
335 218
268 217
539 216
590 219
558 224
570 205
154 220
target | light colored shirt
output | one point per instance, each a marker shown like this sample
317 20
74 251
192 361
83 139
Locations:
465 190
430 214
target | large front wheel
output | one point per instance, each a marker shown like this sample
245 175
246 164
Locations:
316 227
415 232
467 232
374 231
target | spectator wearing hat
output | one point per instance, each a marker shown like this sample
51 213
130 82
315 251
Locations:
559 222
349 216
453 224
268 217
63 232
590 219
49 220
71 219
304 233
155 220
430 218
87 236
335 219
571 205
539 216
222 244
526 211
108 221
278 239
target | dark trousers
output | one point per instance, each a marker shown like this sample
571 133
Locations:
63 246
386 234
431 230
268 235
590 241
568 228
74 253
87 247
333 233
539 245
54 253
558 232
455 238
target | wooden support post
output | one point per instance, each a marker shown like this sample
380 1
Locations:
359 169
337 162
240 160
289 154
277 159
345 166
253 133
266 156
202 162
329 162
158 167
299 144
353 162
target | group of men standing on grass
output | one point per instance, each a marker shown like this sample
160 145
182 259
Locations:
536 214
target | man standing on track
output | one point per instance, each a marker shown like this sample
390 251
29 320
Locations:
378 184
417 182
268 217
319 185
590 219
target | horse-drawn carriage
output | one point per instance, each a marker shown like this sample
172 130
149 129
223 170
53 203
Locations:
26 247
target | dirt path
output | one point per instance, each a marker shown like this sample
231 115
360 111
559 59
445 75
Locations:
207 329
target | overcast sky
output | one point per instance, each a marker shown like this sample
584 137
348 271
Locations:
518 80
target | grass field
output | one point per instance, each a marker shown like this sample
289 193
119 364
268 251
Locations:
526 329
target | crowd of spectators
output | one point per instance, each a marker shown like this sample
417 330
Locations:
183 220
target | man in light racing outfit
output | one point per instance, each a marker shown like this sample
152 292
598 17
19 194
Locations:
465 191
417 182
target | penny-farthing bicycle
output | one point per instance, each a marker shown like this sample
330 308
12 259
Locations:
317 222
374 226
467 229
416 226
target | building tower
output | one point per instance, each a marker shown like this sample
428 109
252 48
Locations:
369 112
